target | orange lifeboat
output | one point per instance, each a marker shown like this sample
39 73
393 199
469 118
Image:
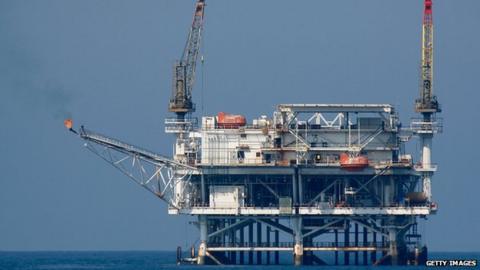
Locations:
351 163
225 120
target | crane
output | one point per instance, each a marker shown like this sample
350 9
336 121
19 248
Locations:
184 70
167 178
427 103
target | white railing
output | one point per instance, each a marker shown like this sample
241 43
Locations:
419 125
175 125
425 167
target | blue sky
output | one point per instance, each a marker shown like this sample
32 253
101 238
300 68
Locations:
108 65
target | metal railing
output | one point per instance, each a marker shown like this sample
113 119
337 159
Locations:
425 167
173 125
313 206
419 125
292 244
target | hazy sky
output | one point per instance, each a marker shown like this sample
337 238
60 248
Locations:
108 64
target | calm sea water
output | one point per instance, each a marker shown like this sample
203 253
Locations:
148 260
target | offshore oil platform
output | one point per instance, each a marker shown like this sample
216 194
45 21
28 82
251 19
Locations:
327 183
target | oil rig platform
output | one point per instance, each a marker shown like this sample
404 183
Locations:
326 183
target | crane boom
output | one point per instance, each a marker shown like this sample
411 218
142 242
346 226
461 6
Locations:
160 175
427 103
184 70
126 148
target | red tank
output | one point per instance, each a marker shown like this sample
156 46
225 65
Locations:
350 163
230 120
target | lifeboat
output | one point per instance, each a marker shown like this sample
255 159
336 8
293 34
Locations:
225 120
353 163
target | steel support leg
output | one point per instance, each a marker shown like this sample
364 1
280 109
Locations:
202 188
298 247
242 243
374 253
346 254
426 144
384 240
294 191
250 242
393 248
336 244
277 243
259 242
356 243
202 250
268 244
232 235
224 237
365 243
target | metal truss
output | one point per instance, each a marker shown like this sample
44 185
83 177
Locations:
319 119
290 116
163 177
330 224
421 126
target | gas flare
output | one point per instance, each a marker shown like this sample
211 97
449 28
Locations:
68 123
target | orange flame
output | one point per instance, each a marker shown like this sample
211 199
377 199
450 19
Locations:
68 123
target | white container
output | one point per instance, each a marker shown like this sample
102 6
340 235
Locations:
227 196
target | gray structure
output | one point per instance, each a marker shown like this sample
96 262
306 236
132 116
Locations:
307 180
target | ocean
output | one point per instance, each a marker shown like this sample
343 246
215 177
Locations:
150 260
